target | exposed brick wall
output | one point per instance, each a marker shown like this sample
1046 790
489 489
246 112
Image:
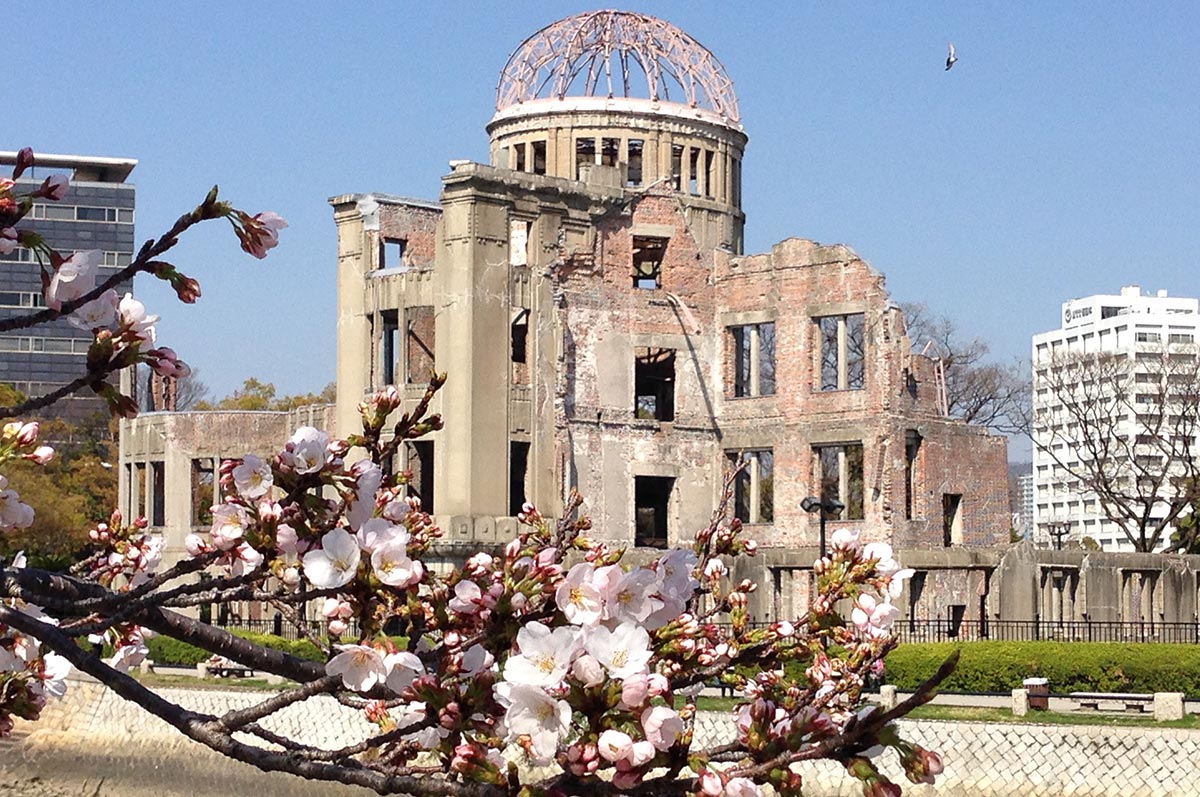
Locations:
417 226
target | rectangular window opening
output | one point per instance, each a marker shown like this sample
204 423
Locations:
539 157
912 453
519 160
654 384
520 336
158 494
709 158
202 491
418 455
840 475
753 360
391 252
389 347
610 151
648 253
677 166
633 176
693 171
842 340
652 503
754 487
585 152
419 357
518 467
952 519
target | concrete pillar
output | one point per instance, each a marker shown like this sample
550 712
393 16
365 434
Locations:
887 697
1020 702
1168 706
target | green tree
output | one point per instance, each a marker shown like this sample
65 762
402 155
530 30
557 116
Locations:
256 395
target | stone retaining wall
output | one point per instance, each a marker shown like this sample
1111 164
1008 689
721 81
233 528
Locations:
983 759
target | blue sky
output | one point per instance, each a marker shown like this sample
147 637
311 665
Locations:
1059 158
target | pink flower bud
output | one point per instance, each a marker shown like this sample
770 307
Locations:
710 784
28 433
337 628
41 455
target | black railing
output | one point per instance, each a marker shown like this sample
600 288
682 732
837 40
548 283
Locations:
276 625
945 630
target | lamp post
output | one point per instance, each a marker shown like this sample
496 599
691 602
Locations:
823 506
1058 530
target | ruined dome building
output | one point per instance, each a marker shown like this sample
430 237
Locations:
587 293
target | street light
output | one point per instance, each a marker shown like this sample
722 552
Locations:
1058 530
824 507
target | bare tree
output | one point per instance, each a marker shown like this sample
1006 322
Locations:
1122 427
977 391
189 391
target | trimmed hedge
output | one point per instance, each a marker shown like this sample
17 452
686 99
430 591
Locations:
988 666
164 650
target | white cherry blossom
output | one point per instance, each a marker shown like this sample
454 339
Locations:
545 655
393 566
335 563
361 667
99 313
873 618
378 531
74 277
624 651
229 523
13 513
402 669
370 476
630 597
579 600
533 713
309 450
133 316
252 477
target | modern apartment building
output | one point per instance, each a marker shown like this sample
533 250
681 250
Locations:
1148 345
97 213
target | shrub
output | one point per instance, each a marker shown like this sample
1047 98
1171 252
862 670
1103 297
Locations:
164 650
988 666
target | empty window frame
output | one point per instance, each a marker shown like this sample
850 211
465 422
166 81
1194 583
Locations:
420 343
633 175
518 467
709 161
202 491
753 359
520 336
539 157
842 340
754 487
389 347
418 462
610 151
693 171
519 157
652 504
391 252
952 519
654 384
839 472
648 252
912 458
158 494
677 166
585 152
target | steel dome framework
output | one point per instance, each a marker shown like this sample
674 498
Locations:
615 54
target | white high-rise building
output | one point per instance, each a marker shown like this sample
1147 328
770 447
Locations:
1154 332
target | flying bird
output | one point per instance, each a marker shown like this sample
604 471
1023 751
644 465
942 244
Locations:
951 58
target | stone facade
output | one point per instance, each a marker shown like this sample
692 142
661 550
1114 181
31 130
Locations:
587 294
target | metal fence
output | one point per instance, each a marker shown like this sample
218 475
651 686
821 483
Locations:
277 626
945 630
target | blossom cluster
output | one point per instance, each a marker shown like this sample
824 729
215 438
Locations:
29 674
